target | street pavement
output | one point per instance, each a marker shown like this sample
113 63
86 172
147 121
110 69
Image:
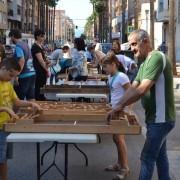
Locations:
23 164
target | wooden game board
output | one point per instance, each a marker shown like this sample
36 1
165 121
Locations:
58 117
90 87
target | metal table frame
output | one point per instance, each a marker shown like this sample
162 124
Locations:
57 139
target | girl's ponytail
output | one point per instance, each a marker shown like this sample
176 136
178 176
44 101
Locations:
110 59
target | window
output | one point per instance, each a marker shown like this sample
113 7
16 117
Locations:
161 6
18 9
10 12
1 18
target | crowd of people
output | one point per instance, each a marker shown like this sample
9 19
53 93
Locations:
24 74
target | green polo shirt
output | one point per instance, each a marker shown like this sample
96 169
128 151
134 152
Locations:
158 102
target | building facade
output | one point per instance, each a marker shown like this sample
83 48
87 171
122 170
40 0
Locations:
144 22
64 27
3 19
163 16
119 19
14 14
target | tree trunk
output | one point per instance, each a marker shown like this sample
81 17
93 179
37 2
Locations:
152 22
38 25
95 23
171 42
49 25
33 16
136 13
47 21
54 13
23 16
52 25
110 20
123 29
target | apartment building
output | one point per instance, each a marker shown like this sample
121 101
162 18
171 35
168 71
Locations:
64 27
163 16
144 21
14 14
3 18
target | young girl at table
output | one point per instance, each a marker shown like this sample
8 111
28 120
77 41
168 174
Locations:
118 82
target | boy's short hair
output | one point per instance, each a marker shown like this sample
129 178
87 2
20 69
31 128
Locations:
38 32
15 33
10 64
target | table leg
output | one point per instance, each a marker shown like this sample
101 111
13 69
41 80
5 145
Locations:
38 161
66 162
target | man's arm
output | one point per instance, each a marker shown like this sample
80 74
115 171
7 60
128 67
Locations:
134 93
21 62
20 56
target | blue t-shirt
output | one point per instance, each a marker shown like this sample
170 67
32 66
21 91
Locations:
22 51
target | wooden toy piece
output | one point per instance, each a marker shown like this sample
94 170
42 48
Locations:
24 119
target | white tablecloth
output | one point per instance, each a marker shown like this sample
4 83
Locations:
49 137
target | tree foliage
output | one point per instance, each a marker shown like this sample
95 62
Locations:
52 3
90 22
98 5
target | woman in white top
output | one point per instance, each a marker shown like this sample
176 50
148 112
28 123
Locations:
79 70
118 83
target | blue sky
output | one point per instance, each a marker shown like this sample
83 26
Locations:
78 10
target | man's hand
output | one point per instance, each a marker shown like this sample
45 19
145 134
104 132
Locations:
113 112
36 107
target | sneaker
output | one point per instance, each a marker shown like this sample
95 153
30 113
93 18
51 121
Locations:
123 173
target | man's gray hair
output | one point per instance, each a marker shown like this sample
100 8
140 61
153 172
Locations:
141 34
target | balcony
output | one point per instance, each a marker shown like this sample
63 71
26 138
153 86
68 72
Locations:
10 12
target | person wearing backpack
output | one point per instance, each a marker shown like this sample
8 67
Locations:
25 84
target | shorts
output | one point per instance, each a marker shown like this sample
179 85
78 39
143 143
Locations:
5 148
26 88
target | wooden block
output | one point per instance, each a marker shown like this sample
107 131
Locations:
68 128
25 121
119 122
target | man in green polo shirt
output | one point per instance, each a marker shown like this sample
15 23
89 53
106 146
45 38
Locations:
154 85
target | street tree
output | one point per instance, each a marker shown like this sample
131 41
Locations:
152 22
136 13
171 40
